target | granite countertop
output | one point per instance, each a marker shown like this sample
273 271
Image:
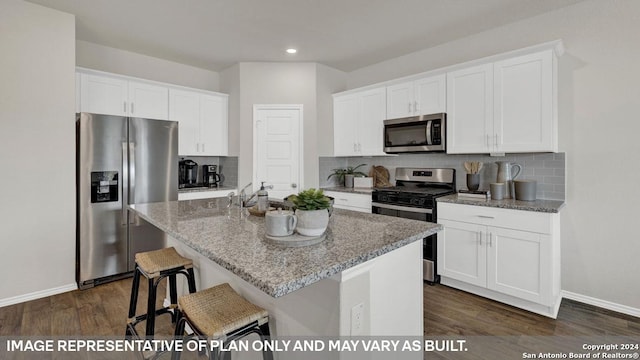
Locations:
205 188
547 206
365 191
236 241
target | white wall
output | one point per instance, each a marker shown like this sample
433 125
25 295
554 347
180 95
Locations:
104 58
37 142
276 83
230 84
328 81
599 93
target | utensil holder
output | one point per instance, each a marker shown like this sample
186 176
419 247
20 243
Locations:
473 181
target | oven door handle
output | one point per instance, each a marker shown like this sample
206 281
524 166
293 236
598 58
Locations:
402 208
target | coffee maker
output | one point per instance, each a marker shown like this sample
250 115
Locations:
211 177
187 173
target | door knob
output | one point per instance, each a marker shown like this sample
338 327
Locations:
294 185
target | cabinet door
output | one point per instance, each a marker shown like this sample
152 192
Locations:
345 124
371 126
462 252
519 264
431 94
148 101
523 115
213 125
103 95
470 110
184 107
400 100
347 201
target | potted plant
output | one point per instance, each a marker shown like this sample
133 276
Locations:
312 211
345 176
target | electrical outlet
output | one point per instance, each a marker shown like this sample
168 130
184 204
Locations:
357 314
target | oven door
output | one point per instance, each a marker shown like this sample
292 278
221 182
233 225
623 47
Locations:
402 211
429 251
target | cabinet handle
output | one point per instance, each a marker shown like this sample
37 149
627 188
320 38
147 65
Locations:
409 107
132 111
480 237
203 147
496 140
415 106
486 217
359 147
488 144
355 147
490 241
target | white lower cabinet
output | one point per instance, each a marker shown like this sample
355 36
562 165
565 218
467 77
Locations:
350 201
512 256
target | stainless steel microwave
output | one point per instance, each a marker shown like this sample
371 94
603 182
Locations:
424 133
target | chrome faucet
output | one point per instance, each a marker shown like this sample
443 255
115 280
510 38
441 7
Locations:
242 198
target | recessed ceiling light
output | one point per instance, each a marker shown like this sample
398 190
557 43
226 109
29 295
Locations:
292 51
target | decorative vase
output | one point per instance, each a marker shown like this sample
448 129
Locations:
473 181
348 180
312 222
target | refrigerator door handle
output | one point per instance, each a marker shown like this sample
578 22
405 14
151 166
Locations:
124 181
132 175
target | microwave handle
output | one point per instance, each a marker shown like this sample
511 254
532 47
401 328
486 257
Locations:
429 140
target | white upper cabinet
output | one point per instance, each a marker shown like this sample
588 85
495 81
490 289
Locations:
114 95
504 106
470 109
202 115
202 119
524 119
148 101
184 107
103 95
358 123
423 96
214 124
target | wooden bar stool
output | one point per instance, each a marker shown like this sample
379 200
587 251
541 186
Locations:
219 313
155 266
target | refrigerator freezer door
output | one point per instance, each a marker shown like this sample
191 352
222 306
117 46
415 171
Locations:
101 199
153 170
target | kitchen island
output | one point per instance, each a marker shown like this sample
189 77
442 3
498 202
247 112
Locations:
369 265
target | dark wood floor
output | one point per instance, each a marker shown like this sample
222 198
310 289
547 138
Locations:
448 311
102 311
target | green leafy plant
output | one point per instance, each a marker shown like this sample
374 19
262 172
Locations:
310 199
341 172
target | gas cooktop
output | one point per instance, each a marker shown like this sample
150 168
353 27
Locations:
422 190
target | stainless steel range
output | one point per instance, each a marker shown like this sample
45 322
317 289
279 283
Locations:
414 197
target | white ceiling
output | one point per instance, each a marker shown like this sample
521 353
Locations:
344 34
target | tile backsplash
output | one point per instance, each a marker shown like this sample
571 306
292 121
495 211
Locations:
228 168
548 169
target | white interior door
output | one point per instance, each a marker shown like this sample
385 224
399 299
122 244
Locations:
277 148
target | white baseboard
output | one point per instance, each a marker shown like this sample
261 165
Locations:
38 294
601 303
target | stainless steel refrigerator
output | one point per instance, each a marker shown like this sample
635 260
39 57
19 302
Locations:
120 161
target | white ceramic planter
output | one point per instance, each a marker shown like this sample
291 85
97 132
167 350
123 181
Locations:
312 222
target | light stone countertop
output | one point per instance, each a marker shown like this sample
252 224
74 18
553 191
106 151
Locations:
236 242
364 191
204 188
547 206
